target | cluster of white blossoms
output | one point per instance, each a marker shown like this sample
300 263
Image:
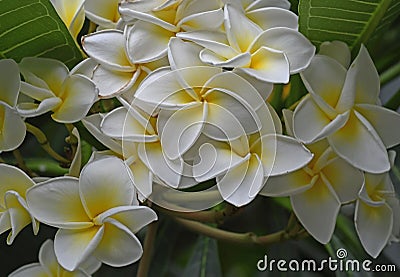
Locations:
193 79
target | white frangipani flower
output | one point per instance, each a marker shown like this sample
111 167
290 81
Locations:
68 96
377 214
155 22
269 51
48 265
343 107
72 14
142 148
14 213
97 210
116 72
317 190
12 127
104 13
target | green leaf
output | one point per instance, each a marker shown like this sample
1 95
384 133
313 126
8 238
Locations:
30 28
204 260
353 22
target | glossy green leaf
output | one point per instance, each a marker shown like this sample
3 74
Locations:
204 260
353 22
32 28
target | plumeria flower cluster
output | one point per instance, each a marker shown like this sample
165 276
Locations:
192 79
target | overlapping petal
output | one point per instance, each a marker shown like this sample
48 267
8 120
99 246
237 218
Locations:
99 190
56 202
72 247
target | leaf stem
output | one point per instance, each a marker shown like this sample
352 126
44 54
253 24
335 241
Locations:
390 74
211 216
148 246
239 238
44 143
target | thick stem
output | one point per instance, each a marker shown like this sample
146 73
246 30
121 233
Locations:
44 143
212 216
21 163
238 238
148 248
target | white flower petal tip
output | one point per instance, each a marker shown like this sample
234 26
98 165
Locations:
72 15
12 128
48 264
14 211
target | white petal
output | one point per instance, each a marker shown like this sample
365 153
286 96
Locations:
92 124
13 178
211 58
213 40
382 120
344 178
118 246
312 124
268 65
337 50
78 97
75 167
207 20
164 90
19 216
35 92
108 48
144 15
32 270
258 4
373 226
240 31
239 87
57 203
365 78
325 78
104 9
229 116
289 184
111 83
85 67
169 171
182 129
297 48
96 191
32 110
43 72
288 119
183 54
147 42
240 185
271 17
132 217
120 124
12 129
359 144
282 154
10 82
142 178
215 159
263 88
317 209
47 257
72 247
